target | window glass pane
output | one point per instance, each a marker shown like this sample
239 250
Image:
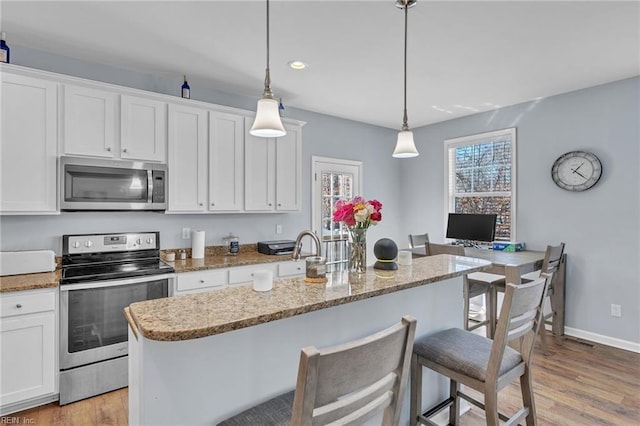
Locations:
479 168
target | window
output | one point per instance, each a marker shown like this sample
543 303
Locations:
481 177
334 179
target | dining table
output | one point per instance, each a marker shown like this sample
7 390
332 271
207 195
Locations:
513 265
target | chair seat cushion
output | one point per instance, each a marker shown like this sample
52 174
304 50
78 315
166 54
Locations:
276 411
464 352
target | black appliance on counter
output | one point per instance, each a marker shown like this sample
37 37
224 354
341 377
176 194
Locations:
101 275
277 247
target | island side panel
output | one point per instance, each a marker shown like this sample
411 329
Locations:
204 381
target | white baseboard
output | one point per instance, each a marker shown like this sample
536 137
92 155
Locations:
604 340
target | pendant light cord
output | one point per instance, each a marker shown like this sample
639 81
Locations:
405 126
268 94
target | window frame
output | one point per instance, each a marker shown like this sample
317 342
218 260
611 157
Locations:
449 183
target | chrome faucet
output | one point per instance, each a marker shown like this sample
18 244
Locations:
298 245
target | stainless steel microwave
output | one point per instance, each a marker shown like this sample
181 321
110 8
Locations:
104 184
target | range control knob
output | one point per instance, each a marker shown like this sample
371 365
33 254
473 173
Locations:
88 243
139 241
149 240
76 244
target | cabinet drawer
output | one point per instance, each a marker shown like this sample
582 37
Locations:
245 274
287 269
201 280
19 303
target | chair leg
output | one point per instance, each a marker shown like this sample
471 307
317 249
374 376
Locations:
527 397
466 304
415 404
454 409
491 406
543 338
491 311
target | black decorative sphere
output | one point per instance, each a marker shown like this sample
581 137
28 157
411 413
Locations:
386 252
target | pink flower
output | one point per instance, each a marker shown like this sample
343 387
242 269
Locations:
358 212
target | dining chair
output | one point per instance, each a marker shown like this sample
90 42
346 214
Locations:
419 240
475 284
346 384
482 364
553 258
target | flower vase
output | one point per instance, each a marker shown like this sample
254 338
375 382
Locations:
358 250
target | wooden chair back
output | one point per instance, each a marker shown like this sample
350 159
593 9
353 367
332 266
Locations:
520 318
435 249
419 240
552 259
355 381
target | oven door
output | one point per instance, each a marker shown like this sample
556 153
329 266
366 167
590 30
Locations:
92 323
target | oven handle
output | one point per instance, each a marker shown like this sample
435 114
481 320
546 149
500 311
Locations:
113 283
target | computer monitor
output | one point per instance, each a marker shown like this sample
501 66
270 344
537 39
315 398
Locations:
471 227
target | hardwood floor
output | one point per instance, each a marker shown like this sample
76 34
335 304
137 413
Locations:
579 383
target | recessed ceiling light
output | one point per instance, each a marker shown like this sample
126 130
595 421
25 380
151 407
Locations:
298 65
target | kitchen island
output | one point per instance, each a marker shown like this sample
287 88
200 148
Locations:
197 359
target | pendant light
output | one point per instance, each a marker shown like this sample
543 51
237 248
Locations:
405 147
267 123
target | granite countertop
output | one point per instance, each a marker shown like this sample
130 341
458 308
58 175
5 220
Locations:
205 314
25 282
215 257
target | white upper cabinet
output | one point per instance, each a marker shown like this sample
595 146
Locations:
273 171
28 148
187 159
143 129
90 126
226 162
289 170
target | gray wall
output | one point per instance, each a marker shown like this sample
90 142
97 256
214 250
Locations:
600 226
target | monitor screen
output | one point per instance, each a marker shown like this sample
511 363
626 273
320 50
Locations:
471 227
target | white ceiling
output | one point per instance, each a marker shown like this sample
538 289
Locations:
463 57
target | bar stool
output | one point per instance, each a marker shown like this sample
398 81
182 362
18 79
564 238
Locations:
483 364
419 240
345 384
475 284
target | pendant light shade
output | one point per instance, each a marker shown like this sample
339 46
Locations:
267 123
405 147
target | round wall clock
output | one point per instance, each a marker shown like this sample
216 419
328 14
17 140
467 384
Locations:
576 171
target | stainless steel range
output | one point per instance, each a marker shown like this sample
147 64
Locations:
101 275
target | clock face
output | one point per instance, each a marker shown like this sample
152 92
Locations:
576 171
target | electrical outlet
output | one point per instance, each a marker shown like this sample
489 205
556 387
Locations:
616 310
278 229
186 233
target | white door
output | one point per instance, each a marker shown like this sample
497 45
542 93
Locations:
226 162
333 179
289 170
28 145
89 121
187 159
143 129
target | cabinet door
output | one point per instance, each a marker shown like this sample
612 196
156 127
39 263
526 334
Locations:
187 159
27 357
28 145
226 162
89 121
289 170
259 172
143 129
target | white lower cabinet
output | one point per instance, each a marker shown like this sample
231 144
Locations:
216 279
28 346
199 281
